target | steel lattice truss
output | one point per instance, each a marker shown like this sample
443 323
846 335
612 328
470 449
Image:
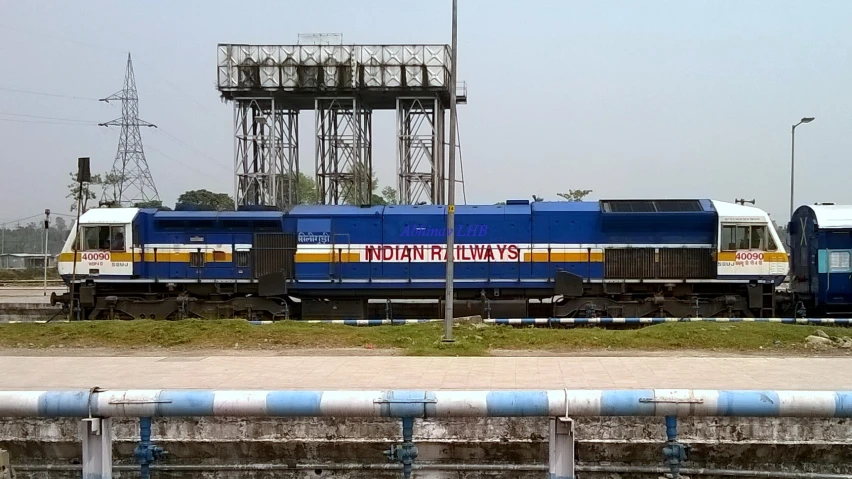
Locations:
420 145
344 152
267 153
134 183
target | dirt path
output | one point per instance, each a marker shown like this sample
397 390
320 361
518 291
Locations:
335 352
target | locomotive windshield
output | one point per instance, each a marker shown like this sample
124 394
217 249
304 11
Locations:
103 238
736 237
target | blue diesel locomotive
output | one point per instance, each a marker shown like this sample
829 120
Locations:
613 258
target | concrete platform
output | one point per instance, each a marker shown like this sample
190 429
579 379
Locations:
29 294
395 372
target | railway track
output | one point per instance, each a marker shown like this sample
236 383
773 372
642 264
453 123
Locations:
29 283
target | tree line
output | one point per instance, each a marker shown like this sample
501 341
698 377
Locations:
29 238
307 193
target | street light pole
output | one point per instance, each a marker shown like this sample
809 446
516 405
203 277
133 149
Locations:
793 159
451 198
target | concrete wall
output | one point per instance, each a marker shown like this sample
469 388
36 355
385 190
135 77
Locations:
307 445
30 312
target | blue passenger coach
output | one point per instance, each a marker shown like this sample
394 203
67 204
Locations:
821 258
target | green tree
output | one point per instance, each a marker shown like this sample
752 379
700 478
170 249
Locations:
362 187
309 194
307 190
389 196
93 189
158 204
29 238
356 191
574 195
208 199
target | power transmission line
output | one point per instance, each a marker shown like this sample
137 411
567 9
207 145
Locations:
29 92
49 118
101 47
4 223
47 122
160 130
182 163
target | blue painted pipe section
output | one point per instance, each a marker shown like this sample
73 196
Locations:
550 321
146 453
674 451
671 428
358 322
573 321
558 321
424 404
143 450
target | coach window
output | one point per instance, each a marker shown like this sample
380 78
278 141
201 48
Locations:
839 262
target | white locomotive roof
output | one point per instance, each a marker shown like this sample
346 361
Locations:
832 216
108 216
733 210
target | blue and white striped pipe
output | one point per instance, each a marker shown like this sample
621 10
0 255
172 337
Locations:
542 321
423 404
549 321
357 322
574 321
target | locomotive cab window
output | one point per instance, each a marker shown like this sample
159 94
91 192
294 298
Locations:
739 237
103 238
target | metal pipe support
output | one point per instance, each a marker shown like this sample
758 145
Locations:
674 452
405 453
146 452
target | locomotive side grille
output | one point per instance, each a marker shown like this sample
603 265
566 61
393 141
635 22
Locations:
629 263
687 263
242 259
196 259
274 252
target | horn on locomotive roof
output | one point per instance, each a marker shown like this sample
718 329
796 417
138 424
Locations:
743 202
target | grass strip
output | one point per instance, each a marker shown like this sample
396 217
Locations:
415 340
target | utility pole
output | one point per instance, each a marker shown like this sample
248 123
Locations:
793 159
46 229
84 175
451 199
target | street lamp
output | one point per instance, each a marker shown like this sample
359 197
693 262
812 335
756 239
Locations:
793 160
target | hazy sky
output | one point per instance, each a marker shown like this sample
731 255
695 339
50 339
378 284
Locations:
629 99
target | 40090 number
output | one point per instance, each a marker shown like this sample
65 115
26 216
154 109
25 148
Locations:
750 256
100 256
